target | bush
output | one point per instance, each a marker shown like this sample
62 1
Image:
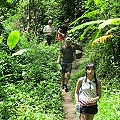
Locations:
37 94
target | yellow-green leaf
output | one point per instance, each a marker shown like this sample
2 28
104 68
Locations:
101 39
9 0
1 38
13 39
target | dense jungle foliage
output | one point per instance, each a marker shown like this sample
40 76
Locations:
29 75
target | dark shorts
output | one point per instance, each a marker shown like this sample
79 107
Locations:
89 109
66 67
48 38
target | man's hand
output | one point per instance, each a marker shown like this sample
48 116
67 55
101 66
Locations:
91 100
58 62
63 35
76 105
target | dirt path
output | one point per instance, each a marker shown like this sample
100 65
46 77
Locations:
69 108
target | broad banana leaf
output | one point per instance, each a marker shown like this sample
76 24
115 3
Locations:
85 31
13 39
84 25
9 0
115 21
86 15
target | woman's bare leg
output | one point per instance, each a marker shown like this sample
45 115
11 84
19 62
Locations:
86 116
83 116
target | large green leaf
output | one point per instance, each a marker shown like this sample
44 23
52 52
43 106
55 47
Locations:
9 0
85 31
96 34
84 25
115 21
87 14
96 2
99 2
13 39
1 38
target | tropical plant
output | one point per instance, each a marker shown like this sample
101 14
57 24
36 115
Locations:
13 39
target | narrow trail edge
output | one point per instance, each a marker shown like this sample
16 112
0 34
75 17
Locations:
68 105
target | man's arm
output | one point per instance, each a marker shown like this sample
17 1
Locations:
59 57
44 30
59 32
74 54
78 85
58 60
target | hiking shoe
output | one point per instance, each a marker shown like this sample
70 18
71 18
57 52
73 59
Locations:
62 86
65 88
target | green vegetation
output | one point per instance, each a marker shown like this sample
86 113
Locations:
29 75
35 93
109 104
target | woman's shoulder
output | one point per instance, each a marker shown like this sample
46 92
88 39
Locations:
81 78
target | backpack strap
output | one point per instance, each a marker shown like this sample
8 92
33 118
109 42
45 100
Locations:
83 79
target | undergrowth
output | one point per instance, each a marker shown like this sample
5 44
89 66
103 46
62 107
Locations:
36 95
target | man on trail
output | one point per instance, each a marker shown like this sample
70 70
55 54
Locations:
68 55
48 32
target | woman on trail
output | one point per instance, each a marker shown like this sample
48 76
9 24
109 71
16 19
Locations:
87 93
62 32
